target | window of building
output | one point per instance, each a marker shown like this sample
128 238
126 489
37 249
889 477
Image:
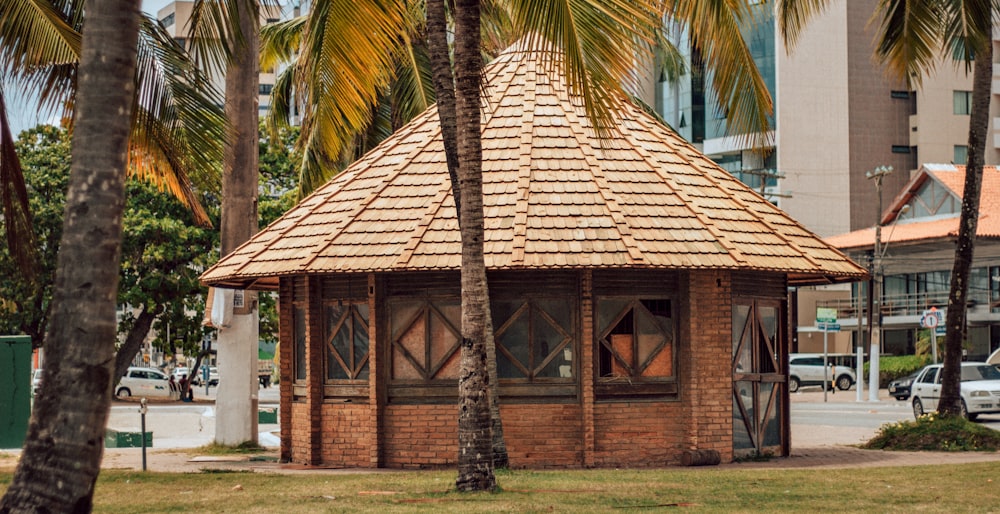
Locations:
425 340
346 341
181 42
534 339
962 102
636 340
168 20
900 95
900 149
265 89
961 154
299 327
932 199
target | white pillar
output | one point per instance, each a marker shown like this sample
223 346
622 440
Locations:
236 399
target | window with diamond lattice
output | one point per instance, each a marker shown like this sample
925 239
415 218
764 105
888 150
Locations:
635 340
346 340
425 340
534 339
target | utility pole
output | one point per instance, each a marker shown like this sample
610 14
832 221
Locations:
876 337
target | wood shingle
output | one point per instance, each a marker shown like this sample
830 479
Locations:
555 196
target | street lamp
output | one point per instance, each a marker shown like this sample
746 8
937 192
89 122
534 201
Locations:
876 330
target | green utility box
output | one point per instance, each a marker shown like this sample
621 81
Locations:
15 390
116 439
267 415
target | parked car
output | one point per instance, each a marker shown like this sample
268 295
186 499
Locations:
146 382
180 373
806 369
979 388
213 375
900 388
36 381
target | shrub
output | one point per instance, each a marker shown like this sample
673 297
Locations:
892 367
932 432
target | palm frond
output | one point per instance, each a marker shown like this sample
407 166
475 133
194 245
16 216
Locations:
280 41
215 31
178 124
909 37
970 26
39 48
413 86
742 93
602 43
282 102
793 15
14 197
346 58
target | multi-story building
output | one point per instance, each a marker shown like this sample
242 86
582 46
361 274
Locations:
837 115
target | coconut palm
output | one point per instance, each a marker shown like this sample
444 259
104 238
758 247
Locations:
176 124
912 36
62 454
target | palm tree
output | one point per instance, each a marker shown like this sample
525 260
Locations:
62 454
226 36
475 440
176 126
912 35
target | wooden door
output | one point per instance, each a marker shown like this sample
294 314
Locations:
759 377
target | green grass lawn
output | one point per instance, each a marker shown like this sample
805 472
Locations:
959 488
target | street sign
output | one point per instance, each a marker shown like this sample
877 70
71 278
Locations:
829 327
931 318
826 315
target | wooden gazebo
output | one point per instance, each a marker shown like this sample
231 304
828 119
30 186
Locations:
639 294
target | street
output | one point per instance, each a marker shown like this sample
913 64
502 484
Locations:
176 424
844 420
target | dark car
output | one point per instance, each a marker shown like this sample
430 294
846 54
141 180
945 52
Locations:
900 388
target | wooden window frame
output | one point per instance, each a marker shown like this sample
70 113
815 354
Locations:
635 386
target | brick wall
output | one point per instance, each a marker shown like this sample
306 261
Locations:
300 438
638 434
540 436
706 379
420 436
346 437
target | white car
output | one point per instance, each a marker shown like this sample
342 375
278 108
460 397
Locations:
36 381
180 373
979 388
143 382
807 369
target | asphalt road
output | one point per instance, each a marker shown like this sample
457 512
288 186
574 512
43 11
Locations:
841 419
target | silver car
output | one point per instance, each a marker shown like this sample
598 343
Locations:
979 388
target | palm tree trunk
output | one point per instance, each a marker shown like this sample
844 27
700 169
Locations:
475 459
955 322
62 454
444 90
236 408
444 86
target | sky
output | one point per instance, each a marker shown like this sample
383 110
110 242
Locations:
22 105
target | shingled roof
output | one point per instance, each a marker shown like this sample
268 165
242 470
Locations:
554 197
932 228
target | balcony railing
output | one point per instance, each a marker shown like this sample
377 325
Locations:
908 304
